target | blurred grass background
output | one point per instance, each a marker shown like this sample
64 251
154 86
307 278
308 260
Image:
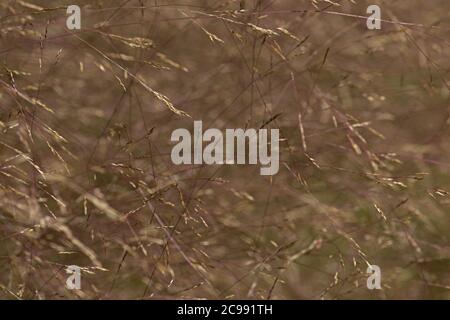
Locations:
86 177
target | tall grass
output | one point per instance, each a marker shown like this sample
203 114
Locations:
86 177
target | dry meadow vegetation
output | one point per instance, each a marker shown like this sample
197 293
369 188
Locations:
86 176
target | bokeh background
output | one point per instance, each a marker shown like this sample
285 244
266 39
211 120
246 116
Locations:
85 171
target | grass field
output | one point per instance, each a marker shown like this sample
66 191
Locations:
86 176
